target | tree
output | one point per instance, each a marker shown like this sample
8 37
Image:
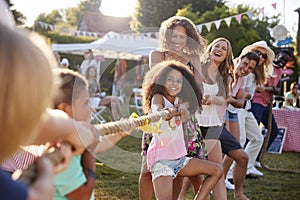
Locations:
240 35
18 16
90 5
150 13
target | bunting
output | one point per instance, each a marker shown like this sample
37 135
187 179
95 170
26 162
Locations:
208 25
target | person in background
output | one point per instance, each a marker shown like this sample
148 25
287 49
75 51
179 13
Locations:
292 97
266 88
89 60
64 63
99 98
119 81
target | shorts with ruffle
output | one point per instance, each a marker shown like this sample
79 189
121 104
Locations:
168 167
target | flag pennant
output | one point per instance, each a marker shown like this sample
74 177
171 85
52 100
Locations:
199 27
250 14
238 18
218 23
274 5
208 26
262 10
228 21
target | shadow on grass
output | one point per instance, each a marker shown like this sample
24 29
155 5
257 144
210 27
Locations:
113 183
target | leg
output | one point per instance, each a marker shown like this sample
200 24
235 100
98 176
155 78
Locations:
114 103
239 172
196 181
211 169
177 185
215 154
145 182
255 139
163 187
185 187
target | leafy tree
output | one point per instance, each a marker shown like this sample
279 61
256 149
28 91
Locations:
72 15
150 13
91 5
18 16
240 35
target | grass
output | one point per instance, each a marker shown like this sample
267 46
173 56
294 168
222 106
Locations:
118 177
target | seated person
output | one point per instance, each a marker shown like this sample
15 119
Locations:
98 98
292 97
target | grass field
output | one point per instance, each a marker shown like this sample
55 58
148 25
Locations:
117 178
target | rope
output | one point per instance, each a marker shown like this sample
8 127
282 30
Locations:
266 142
28 175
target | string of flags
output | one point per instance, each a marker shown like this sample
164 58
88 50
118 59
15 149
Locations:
208 25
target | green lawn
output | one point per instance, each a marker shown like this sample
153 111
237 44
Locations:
117 178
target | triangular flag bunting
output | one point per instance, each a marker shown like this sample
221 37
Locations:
262 10
238 18
218 23
199 27
208 26
250 14
274 5
228 21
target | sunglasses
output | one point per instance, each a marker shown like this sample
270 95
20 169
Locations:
263 55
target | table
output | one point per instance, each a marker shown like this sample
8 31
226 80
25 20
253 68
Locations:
291 120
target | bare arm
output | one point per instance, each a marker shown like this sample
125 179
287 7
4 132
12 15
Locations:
155 57
57 125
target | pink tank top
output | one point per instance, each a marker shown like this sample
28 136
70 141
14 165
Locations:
169 145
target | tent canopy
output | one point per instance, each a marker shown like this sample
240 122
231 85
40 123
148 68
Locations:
113 45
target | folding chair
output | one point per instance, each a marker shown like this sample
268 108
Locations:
97 111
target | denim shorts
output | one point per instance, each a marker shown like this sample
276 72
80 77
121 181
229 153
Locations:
168 167
228 141
231 117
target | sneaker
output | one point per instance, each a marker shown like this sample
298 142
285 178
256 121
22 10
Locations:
253 172
229 186
257 164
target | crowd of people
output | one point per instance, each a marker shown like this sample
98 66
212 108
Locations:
223 98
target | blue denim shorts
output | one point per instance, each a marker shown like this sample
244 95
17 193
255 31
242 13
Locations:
231 117
168 167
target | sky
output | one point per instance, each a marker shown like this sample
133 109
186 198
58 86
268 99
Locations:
123 8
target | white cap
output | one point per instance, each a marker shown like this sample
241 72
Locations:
65 61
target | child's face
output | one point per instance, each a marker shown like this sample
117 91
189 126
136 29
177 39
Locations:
174 82
81 109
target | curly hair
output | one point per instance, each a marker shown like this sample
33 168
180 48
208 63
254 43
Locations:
195 42
226 67
155 79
